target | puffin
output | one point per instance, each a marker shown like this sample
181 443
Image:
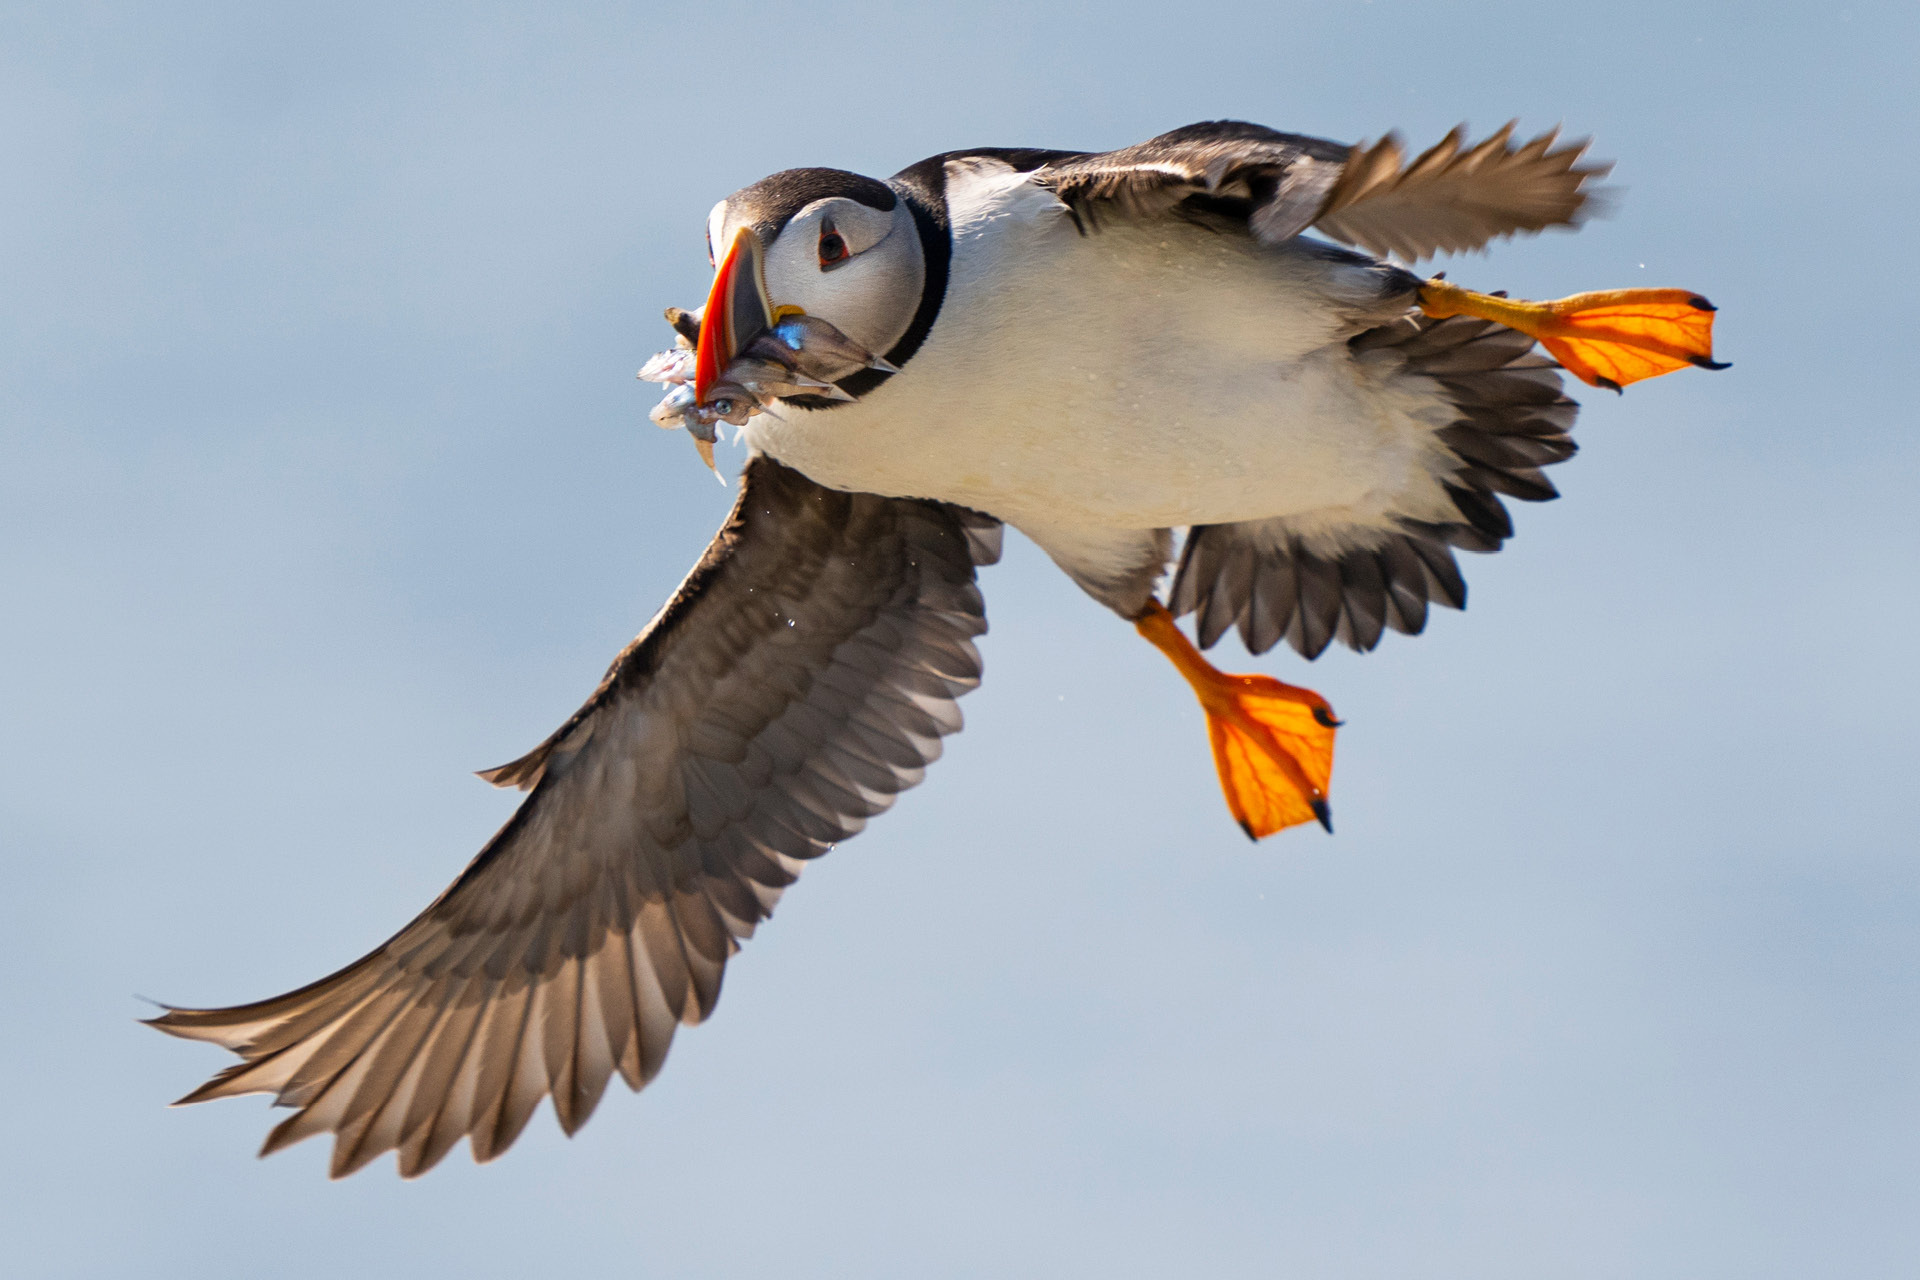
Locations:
1203 356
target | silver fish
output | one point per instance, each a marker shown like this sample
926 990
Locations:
725 402
768 368
821 351
674 407
669 366
679 409
800 355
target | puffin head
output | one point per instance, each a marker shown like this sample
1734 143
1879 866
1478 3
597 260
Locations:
827 264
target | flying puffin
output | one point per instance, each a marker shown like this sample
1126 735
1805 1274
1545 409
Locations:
1097 349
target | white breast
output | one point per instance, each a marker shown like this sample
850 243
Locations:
1144 375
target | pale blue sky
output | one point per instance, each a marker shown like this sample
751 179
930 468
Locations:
324 479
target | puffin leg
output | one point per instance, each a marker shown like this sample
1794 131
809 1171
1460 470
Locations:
1272 742
1604 339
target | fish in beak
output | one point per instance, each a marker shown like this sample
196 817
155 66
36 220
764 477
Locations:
746 338
741 352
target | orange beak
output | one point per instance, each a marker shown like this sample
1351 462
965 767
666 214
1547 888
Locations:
737 311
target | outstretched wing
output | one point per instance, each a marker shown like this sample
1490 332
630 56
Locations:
1451 198
802 675
1298 579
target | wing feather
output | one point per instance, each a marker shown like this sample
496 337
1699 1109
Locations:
1455 198
1289 578
801 677
445 1084
526 1081
1451 198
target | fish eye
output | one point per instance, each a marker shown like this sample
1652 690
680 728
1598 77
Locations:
833 246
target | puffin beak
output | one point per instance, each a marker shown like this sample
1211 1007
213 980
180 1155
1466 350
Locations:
738 311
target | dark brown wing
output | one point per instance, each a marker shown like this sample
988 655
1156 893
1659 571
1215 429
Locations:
1287 579
1279 184
1454 197
1274 181
803 675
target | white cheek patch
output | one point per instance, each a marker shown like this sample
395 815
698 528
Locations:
872 295
861 226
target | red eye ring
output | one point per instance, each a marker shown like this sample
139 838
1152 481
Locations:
833 247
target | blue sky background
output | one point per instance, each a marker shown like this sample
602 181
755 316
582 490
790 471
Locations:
324 479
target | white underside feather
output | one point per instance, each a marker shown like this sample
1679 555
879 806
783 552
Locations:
1143 376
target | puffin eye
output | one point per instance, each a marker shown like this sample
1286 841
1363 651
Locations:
833 246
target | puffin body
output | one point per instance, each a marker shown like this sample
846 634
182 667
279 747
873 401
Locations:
1105 351
1145 377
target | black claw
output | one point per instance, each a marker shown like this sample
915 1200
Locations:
1701 304
1703 362
1325 719
1248 828
1324 813
1609 384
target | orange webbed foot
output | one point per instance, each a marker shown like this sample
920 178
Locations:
1606 339
1272 742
